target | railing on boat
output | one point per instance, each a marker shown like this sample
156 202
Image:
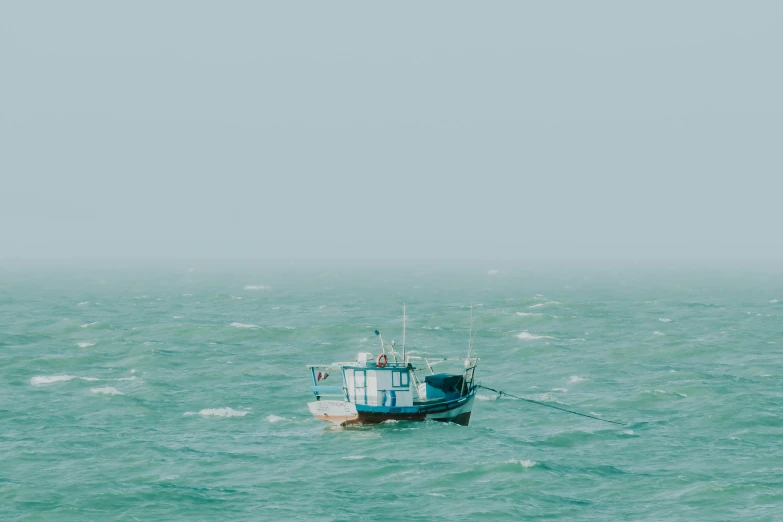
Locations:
328 390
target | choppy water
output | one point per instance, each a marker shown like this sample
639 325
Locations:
181 395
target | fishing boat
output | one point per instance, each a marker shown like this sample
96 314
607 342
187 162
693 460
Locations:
392 386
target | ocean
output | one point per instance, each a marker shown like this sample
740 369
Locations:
180 394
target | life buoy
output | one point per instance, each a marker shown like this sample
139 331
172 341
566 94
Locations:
381 361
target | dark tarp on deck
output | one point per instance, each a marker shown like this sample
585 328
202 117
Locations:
445 381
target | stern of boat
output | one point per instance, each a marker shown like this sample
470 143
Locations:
339 413
458 415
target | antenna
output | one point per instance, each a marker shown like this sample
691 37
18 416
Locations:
403 333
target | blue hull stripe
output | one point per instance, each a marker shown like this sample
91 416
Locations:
427 408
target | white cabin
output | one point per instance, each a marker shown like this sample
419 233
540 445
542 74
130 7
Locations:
366 383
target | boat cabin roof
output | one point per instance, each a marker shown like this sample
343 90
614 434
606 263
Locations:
356 365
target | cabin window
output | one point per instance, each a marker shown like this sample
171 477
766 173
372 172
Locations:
359 377
400 379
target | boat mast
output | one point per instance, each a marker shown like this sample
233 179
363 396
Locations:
383 349
470 347
403 334
470 333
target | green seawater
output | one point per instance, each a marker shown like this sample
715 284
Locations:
180 394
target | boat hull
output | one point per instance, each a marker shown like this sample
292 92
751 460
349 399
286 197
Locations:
344 413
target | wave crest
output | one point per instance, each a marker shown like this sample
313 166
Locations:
525 463
487 397
48 379
107 390
243 325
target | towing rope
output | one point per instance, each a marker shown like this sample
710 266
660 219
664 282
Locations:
499 392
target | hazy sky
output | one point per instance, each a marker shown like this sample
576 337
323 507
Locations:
483 130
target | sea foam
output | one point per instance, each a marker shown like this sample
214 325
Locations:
575 378
525 314
85 345
218 412
256 287
539 305
527 336
664 320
